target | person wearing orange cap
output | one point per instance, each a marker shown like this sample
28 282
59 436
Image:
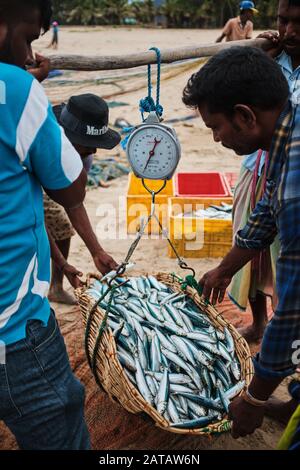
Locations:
241 27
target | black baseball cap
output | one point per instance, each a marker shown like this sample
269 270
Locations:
85 122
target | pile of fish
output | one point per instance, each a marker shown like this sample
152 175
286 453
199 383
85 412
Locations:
222 212
180 363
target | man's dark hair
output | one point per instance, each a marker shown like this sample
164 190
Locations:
239 75
12 10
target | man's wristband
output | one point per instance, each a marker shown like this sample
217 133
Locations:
247 397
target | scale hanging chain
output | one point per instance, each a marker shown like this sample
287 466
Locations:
148 105
181 262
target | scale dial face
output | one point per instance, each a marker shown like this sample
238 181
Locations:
153 152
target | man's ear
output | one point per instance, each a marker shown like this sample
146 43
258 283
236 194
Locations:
245 115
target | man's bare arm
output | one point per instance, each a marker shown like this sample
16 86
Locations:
71 196
220 38
69 271
72 199
80 221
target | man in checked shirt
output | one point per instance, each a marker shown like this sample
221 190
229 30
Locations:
243 96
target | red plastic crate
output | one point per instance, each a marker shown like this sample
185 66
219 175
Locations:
232 179
201 185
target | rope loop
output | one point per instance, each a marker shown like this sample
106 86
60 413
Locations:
148 105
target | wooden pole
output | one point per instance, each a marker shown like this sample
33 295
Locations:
93 63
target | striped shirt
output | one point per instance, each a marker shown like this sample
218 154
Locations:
279 212
34 153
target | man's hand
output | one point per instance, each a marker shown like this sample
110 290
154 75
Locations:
215 282
104 262
275 47
73 275
42 70
246 418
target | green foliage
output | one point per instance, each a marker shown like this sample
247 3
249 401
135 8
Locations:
179 13
115 11
143 11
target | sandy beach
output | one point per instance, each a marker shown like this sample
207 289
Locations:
199 153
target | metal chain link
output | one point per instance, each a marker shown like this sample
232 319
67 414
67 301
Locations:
181 262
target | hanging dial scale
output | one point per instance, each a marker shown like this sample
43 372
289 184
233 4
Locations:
153 150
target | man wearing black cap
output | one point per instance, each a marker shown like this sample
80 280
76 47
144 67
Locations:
85 122
241 27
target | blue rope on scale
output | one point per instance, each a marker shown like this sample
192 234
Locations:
147 105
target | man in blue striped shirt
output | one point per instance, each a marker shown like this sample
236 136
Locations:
243 97
40 399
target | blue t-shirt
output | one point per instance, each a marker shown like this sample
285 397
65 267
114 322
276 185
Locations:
292 77
34 153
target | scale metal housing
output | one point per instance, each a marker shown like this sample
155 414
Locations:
153 150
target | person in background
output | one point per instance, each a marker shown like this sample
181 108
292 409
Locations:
54 41
85 122
257 279
241 27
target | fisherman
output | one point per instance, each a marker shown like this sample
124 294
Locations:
243 96
41 401
54 41
257 279
241 27
85 122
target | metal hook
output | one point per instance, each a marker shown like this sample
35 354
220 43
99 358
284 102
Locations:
155 192
123 284
184 266
120 271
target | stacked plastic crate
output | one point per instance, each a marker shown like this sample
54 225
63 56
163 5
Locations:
192 235
187 193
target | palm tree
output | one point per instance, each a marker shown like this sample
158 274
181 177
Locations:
267 13
173 10
85 12
179 13
115 11
144 11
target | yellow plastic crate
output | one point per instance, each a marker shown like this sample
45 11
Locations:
139 204
196 238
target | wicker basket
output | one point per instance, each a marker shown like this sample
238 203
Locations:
109 372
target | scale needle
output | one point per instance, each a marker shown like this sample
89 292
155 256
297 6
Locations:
152 152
